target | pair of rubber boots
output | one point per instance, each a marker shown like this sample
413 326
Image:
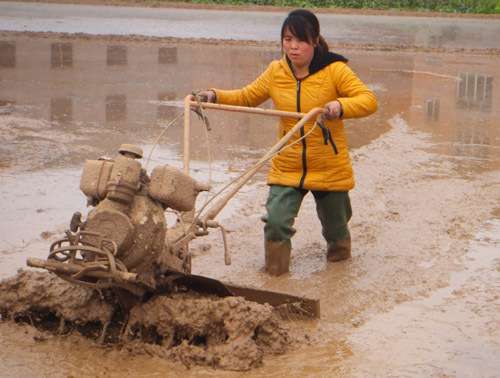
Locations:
278 253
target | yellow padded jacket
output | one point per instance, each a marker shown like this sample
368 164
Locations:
321 160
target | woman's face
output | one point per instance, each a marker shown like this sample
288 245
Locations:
299 52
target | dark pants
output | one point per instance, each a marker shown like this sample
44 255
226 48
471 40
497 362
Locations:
283 204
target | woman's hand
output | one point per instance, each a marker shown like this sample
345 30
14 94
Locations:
333 110
206 96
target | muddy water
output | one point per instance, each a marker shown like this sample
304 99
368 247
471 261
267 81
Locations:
422 288
445 321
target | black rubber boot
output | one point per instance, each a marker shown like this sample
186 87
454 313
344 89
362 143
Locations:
277 257
339 250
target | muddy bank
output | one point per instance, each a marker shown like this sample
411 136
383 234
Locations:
228 333
208 41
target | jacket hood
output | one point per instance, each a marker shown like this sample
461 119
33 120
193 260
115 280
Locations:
320 61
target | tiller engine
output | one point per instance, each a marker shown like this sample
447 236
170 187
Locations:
124 241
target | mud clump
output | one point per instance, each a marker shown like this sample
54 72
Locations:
41 293
227 333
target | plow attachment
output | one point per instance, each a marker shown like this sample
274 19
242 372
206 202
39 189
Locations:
78 272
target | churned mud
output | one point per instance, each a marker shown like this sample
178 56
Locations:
229 333
36 294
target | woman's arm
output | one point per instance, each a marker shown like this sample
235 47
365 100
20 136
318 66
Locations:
353 95
251 95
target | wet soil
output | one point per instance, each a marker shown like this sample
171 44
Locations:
228 333
420 295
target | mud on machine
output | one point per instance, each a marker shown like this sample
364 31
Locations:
124 243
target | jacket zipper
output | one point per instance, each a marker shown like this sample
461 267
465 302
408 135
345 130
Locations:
304 145
327 136
333 144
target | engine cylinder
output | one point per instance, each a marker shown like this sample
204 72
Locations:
124 180
173 188
95 177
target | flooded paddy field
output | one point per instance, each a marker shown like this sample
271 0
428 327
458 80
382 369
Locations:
421 294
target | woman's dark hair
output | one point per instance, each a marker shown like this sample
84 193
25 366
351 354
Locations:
304 25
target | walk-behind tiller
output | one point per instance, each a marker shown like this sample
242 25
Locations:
124 244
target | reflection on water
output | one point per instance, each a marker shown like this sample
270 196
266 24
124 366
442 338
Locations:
116 55
61 55
166 112
432 106
167 55
116 108
61 109
7 54
475 91
473 135
132 88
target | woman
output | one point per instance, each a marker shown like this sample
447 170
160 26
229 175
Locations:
307 76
